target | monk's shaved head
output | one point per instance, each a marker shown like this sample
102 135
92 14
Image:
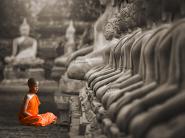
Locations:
32 82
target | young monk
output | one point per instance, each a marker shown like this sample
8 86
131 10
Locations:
29 113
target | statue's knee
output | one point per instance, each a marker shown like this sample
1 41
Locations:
137 123
71 71
75 71
8 59
101 91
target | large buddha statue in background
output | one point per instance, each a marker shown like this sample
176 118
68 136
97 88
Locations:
69 46
24 49
23 62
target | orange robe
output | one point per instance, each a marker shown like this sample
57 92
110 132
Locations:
31 106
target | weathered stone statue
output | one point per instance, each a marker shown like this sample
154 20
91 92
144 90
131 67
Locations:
24 49
149 78
165 89
79 67
24 61
170 99
85 45
69 46
121 65
149 97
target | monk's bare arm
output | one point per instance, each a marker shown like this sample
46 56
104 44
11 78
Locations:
26 106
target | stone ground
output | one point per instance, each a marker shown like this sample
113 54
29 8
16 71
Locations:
75 117
10 102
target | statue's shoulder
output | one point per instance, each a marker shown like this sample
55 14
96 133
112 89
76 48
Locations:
15 40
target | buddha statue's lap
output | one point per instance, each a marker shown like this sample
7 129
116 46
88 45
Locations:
108 58
117 66
170 129
110 66
116 69
135 52
113 70
127 83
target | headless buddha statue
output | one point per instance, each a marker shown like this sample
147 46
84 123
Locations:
24 49
69 47
82 65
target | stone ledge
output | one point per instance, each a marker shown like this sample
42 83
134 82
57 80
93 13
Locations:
11 74
20 85
70 86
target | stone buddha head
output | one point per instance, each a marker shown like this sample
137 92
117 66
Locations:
24 28
70 32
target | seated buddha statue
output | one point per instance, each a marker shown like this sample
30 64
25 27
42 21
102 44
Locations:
85 45
69 46
81 65
149 77
23 62
24 49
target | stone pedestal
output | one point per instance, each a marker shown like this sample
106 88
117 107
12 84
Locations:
66 98
37 73
70 86
11 73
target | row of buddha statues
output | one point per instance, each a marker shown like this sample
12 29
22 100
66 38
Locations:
134 83
24 61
